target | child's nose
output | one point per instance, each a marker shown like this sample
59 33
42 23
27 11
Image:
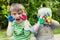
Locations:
17 15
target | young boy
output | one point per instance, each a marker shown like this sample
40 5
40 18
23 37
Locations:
18 25
43 29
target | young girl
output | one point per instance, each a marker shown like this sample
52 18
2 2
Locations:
18 25
43 29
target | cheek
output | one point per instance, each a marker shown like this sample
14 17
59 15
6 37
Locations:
21 20
14 16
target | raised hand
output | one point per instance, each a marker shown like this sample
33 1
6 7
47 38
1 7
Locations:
23 17
11 19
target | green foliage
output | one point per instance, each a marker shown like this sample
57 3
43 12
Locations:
55 7
31 7
3 19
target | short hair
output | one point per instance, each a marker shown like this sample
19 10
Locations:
16 7
43 10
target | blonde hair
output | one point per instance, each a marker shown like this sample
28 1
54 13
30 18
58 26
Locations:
16 7
44 10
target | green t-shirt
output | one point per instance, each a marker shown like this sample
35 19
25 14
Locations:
19 33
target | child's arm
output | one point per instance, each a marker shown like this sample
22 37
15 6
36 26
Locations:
27 32
26 28
27 25
55 23
9 29
35 28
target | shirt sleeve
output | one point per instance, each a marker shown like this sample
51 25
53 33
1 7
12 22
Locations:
32 30
36 26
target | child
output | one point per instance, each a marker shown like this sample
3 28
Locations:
18 25
43 29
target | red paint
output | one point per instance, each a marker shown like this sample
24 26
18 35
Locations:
44 17
23 17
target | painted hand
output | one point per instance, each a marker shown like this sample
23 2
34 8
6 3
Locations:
23 17
42 20
11 19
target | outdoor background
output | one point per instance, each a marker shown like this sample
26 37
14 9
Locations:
31 7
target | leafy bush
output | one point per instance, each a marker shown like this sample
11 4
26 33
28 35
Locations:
31 7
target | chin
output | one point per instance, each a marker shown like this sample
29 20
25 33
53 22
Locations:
18 22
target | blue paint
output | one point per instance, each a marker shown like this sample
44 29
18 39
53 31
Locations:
10 18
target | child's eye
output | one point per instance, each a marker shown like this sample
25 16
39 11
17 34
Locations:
48 14
14 14
21 12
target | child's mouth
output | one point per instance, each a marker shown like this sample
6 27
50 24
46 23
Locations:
18 20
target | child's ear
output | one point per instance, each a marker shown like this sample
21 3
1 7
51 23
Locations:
10 18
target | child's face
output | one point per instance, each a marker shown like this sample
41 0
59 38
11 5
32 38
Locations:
16 15
47 18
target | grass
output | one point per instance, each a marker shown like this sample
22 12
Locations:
3 32
56 31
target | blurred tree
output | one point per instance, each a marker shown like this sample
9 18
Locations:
3 11
32 7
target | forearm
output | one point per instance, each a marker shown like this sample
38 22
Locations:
27 25
9 29
35 27
56 23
